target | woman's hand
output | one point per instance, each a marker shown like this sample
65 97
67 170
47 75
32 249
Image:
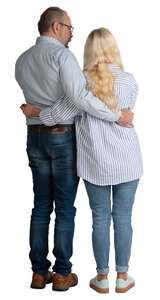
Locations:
30 111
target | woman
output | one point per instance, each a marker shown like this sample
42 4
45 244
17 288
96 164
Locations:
108 156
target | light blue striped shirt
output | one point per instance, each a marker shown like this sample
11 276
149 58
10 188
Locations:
107 153
48 71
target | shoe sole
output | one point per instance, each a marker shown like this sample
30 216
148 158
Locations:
62 289
37 287
99 290
123 290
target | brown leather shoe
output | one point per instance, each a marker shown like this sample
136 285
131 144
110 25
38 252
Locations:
63 283
40 281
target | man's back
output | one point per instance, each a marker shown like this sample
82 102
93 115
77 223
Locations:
37 72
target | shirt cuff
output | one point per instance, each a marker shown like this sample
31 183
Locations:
46 117
114 117
118 116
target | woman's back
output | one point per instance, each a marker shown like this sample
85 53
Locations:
108 153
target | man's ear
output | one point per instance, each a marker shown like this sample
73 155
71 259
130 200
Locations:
55 27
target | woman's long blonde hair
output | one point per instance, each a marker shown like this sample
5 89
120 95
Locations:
101 50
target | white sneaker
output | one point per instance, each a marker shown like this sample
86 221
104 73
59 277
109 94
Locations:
100 285
123 286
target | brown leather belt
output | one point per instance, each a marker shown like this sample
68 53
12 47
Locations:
59 128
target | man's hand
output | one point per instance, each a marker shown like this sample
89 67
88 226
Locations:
126 118
30 111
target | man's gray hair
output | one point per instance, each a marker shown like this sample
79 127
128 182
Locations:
48 17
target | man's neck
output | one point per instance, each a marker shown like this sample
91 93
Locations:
50 35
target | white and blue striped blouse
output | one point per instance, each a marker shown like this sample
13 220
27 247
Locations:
107 153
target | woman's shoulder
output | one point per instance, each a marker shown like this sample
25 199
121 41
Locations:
125 77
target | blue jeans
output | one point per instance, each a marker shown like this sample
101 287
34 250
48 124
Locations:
100 202
52 158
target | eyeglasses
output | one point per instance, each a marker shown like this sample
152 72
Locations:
71 28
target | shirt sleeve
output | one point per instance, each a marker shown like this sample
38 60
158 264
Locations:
133 88
64 109
75 87
134 91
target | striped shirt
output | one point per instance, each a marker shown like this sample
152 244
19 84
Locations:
107 153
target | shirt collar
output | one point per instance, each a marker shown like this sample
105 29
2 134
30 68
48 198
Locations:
48 39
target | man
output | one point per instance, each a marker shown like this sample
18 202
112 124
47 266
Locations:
46 73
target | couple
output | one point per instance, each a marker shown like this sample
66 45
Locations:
108 156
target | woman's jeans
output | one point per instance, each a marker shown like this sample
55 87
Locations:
100 202
52 158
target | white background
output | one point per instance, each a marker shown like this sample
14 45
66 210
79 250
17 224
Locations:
135 25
